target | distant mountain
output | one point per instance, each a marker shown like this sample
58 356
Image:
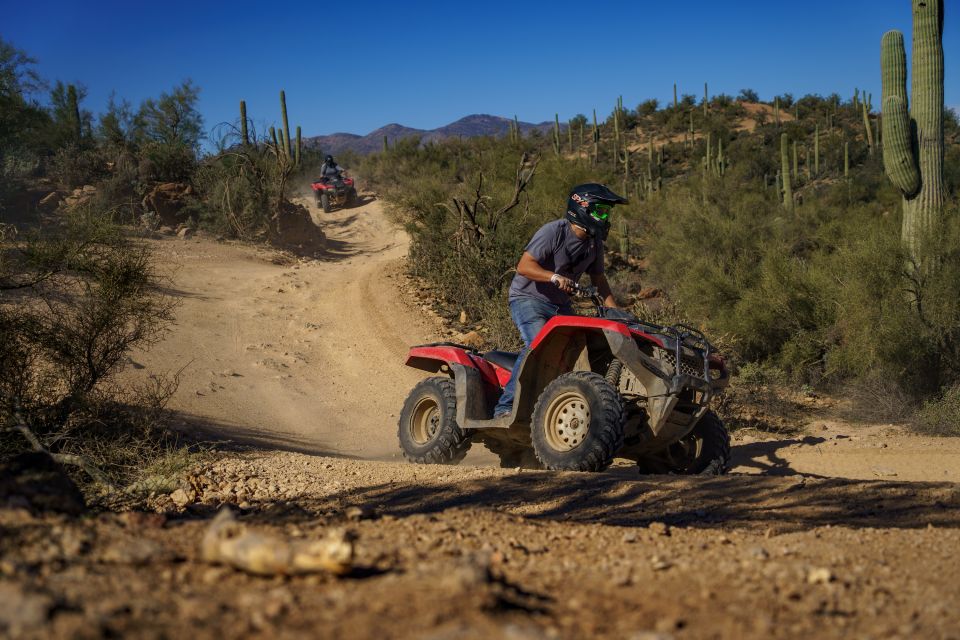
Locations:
469 127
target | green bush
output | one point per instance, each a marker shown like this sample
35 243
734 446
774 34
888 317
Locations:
74 301
941 416
71 167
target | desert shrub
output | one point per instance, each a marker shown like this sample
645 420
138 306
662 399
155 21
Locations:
74 301
71 167
169 161
941 416
237 190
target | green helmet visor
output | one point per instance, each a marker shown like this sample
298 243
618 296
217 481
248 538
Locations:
600 212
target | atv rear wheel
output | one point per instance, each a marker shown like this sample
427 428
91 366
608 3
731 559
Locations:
428 429
703 451
325 202
577 423
351 197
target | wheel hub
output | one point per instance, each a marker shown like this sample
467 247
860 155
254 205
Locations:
426 421
568 421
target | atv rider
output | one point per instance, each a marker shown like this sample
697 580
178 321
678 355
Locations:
558 254
331 170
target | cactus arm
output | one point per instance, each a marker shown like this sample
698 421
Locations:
898 158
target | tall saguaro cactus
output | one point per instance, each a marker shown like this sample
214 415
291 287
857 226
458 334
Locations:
556 133
296 155
913 141
785 172
244 133
286 125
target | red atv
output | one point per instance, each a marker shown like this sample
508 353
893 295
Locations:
334 192
589 389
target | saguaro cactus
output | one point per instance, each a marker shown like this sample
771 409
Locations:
556 133
296 157
286 125
244 134
816 152
75 123
913 142
785 172
596 139
868 129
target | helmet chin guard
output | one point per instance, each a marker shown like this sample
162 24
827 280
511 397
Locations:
589 206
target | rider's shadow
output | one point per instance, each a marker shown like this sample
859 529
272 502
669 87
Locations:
763 456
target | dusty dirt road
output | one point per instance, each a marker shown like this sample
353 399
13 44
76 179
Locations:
844 531
294 354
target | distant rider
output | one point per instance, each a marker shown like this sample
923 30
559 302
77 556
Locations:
331 169
558 254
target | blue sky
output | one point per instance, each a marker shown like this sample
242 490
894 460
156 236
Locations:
360 65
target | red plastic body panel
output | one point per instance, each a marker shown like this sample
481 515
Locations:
430 359
320 186
503 375
585 322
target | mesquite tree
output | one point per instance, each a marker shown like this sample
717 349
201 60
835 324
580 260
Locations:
913 140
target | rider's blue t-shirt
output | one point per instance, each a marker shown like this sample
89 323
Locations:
557 248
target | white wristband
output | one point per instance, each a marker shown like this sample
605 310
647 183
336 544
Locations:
554 278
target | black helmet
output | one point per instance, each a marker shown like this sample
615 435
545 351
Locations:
589 207
329 160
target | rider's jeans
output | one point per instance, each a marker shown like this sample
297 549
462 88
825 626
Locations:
529 314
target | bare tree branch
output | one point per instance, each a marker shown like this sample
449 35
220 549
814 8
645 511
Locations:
525 172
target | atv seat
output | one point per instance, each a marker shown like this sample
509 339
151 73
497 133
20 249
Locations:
503 359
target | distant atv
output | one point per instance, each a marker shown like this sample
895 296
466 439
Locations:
589 389
332 192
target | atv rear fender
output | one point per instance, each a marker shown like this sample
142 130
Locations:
477 384
441 357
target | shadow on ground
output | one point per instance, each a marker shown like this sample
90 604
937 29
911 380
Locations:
781 504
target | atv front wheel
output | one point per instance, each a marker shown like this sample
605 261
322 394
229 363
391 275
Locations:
577 423
428 429
325 202
703 451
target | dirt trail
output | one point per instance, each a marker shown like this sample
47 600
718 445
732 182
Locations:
304 354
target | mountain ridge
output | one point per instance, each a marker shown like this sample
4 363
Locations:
471 126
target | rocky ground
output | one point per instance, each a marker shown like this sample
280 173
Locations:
836 530
478 552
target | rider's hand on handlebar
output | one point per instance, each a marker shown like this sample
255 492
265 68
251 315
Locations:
564 284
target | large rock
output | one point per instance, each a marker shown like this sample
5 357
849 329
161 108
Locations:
167 200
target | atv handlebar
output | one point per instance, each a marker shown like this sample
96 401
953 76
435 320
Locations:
588 292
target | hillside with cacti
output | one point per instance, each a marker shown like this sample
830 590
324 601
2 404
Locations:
772 223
